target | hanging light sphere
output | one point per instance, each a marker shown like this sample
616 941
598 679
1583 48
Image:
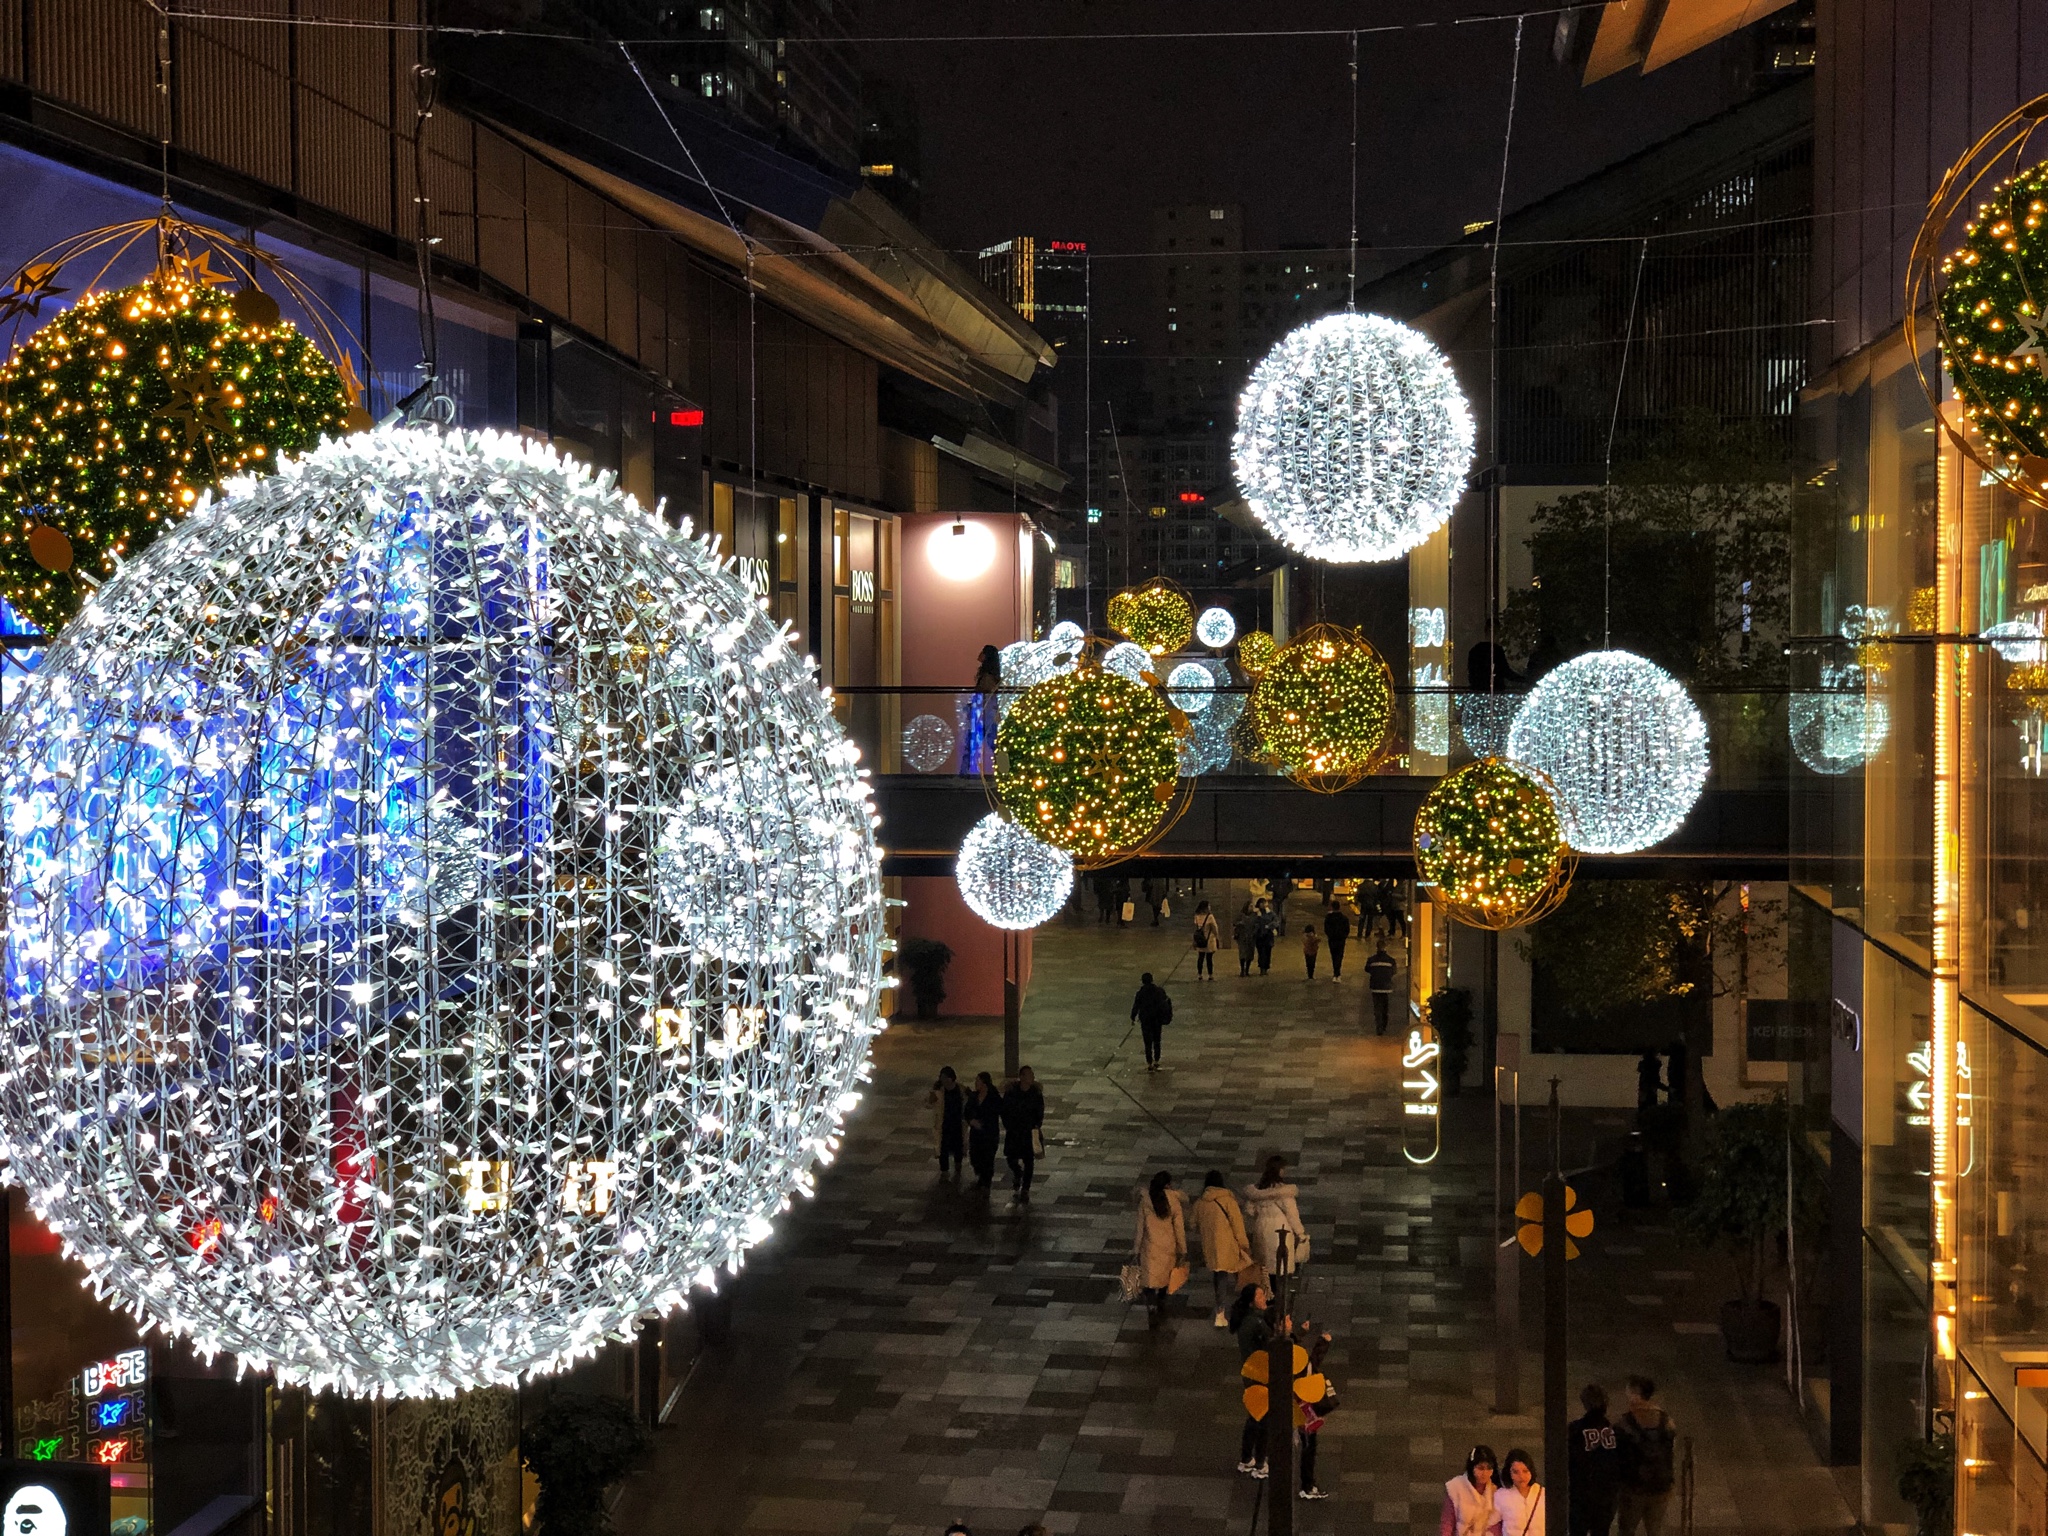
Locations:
1009 877
1483 720
1227 700
1353 439
1323 707
1191 686
1128 661
1066 636
928 744
444 920
1622 746
1488 840
121 411
1842 725
1155 616
1256 650
1215 628
1088 762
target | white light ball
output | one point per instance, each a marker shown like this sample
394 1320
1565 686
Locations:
1623 747
1129 661
1215 628
928 744
358 1023
1191 687
1841 727
961 551
1026 663
1066 636
1009 877
1484 719
1353 439
1227 702
1206 748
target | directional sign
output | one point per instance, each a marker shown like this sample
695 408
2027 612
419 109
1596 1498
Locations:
1578 1222
1422 1095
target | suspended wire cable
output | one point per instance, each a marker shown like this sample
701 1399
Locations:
1614 422
1351 288
1500 206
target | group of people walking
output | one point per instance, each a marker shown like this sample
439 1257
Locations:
969 1125
1623 1468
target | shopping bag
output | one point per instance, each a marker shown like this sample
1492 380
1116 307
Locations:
1177 1279
1165 907
1132 1280
1130 910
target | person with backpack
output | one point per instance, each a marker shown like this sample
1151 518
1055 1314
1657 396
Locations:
1265 929
1207 938
1153 1010
1647 1439
1593 1462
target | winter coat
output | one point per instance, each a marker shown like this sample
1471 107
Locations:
1269 1212
1520 1515
1336 927
1162 1241
1205 933
1242 930
1023 1113
1218 1218
984 1119
1467 1511
948 1106
1152 1005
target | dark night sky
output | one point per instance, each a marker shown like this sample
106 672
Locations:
1079 140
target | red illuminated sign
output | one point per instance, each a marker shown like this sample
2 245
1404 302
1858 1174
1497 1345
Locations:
1188 496
682 418
1066 245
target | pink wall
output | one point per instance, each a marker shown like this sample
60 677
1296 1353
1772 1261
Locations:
946 623
974 983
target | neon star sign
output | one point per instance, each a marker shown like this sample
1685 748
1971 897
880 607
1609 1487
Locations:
1421 1090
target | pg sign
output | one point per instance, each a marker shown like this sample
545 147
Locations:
1421 1095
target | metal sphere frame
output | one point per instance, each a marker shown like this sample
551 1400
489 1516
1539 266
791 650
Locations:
1353 439
1621 745
355 1023
1256 649
1009 878
1324 708
1157 616
929 744
1490 847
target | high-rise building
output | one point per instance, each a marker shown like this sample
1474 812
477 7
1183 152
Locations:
1045 281
1282 289
1197 313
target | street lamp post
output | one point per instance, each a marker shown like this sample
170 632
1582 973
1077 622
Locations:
1280 1399
1555 1253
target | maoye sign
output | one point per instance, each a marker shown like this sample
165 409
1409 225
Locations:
55 1498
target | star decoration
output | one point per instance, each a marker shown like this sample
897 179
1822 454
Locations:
25 295
2035 329
182 266
196 403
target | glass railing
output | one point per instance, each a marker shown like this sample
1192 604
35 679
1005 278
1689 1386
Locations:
951 731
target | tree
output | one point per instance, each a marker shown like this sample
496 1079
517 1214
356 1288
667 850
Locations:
1616 942
578 1446
1740 1205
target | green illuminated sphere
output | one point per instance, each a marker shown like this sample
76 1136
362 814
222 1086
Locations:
1155 615
1994 331
1488 840
1089 762
1322 707
120 412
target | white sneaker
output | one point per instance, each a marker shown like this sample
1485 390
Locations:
1311 1493
1259 1473
1221 1320
1247 1466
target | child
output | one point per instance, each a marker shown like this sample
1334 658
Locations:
1311 942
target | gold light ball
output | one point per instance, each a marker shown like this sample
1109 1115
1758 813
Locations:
1089 762
1155 616
1489 842
1256 650
1322 707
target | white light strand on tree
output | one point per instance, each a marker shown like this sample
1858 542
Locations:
1353 439
445 920
1010 878
1622 744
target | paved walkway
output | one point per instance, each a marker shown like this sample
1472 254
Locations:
906 1352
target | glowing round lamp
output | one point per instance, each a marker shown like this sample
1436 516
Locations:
1489 843
1256 650
1089 762
1323 706
1191 686
960 550
1009 877
1215 628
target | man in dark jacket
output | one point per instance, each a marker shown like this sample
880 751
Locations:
1646 1438
1153 1010
1337 929
1023 1115
1379 975
1594 1458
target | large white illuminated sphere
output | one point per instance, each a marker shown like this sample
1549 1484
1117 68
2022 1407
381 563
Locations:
443 920
1009 877
1128 661
1353 439
1622 745
1191 686
1215 628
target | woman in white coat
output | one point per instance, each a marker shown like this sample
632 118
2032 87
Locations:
1161 1245
1519 1503
1468 1498
1269 1210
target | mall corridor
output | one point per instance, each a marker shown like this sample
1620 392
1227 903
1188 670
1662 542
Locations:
905 1352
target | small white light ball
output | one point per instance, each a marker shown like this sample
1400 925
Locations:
1623 747
1009 878
1191 687
1841 727
1353 439
928 744
1066 636
1483 720
1215 628
961 551
1128 661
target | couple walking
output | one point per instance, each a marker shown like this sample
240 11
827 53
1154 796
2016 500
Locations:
1237 1251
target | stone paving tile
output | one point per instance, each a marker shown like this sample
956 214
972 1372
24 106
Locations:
906 1351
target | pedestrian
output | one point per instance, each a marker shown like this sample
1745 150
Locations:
1282 887
1207 938
1155 898
1649 1080
1023 1131
1105 899
978 740
1337 929
1313 1414
1226 1247
948 1105
1311 945
1270 1210
1592 1465
984 1128
1520 1499
1646 1437
1390 905
1265 928
1153 1010
1379 975
1254 1330
1368 908
1468 1498
1161 1245
1242 933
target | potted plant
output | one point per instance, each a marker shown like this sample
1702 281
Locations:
578 1446
1739 1204
923 963
1450 1015
1927 1480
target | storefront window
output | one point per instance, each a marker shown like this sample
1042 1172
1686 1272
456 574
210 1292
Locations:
864 645
1897 1107
759 532
2002 1200
1984 1457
